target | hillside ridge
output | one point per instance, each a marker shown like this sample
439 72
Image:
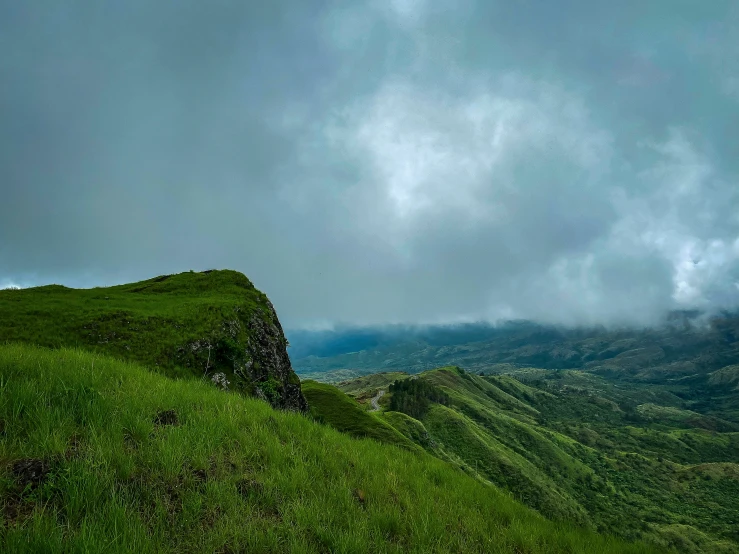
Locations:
632 459
213 325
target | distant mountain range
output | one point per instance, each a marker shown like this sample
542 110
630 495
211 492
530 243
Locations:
686 344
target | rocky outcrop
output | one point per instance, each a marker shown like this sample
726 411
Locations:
248 353
268 366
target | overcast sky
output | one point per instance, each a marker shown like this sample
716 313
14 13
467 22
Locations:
571 161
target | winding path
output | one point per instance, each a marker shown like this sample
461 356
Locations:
375 400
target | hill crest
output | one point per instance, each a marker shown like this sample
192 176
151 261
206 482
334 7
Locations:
213 324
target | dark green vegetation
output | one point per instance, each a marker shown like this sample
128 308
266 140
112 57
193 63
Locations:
212 324
414 397
98 455
638 459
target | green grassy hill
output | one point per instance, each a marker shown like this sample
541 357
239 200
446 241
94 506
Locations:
207 324
331 406
726 377
99 455
620 458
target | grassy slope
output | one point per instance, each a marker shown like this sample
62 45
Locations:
579 448
726 377
482 451
233 476
410 427
145 322
331 406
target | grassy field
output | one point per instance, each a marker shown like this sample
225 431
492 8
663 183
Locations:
145 321
99 455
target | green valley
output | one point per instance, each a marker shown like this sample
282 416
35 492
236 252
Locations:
620 457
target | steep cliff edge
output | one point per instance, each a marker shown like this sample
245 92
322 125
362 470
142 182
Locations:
214 324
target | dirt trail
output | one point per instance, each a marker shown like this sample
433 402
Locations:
375 400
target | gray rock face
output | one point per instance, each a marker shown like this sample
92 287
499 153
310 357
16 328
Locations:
267 348
249 352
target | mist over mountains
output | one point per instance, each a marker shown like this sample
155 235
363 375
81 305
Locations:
520 343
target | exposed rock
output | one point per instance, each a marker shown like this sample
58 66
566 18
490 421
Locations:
267 348
220 380
248 353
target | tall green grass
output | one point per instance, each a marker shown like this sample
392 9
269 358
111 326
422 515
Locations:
232 476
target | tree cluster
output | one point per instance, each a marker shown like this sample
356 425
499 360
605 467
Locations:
414 396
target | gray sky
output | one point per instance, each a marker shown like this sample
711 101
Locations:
383 161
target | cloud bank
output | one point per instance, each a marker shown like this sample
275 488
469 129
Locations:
381 161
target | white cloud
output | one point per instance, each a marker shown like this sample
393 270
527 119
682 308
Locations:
513 193
682 211
479 159
407 12
730 86
382 160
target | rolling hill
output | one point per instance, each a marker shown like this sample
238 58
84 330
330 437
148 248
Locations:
685 345
618 457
